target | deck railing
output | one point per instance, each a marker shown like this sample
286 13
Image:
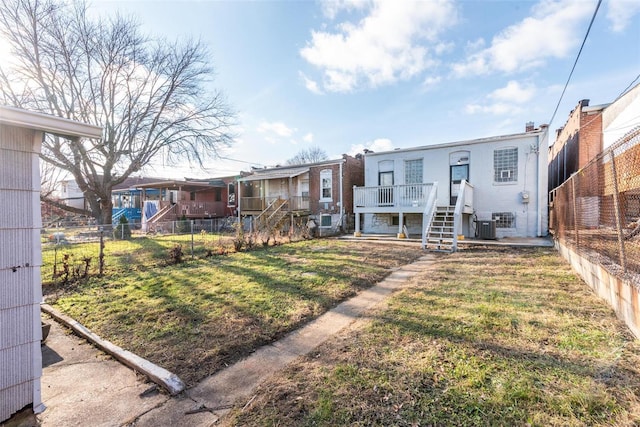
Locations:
410 195
295 203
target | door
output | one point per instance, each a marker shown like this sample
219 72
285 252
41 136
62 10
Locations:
385 194
457 173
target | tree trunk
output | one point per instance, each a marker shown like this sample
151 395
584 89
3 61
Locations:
106 208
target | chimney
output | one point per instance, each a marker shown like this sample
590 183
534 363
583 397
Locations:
584 103
529 127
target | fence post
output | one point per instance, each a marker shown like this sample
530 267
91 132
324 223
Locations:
101 254
575 210
619 225
192 223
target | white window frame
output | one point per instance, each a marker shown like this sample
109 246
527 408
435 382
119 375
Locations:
328 175
504 219
408 173
505 169
330 221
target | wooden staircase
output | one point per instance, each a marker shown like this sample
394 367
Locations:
167 213
272 216
440 233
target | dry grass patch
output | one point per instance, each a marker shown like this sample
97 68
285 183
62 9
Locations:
198 317
483 337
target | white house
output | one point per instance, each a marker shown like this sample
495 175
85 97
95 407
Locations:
621 117
488 188
21 134
69 193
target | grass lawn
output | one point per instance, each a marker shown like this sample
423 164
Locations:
504 337
196 318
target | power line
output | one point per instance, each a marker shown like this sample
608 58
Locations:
240 161
628 87
595 12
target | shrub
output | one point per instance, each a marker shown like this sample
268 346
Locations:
184 225
176 255
122 231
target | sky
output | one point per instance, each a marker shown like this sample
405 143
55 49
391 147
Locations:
348 75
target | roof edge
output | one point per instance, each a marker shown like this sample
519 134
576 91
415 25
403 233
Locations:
522 135
19 117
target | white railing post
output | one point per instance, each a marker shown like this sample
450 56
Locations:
429 211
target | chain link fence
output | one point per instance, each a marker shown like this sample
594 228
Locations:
72 252
597 210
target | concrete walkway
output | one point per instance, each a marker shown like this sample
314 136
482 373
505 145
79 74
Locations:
115 400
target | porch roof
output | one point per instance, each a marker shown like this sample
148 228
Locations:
275 174
179 185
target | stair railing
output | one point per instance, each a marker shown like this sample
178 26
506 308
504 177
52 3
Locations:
457 213
429 212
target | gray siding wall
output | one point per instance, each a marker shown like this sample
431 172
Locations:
20 260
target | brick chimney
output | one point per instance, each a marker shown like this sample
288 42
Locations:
529 127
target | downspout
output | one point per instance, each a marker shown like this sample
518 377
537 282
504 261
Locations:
539 214
341 199
238 196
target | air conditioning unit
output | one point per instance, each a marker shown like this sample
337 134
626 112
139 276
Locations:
487 229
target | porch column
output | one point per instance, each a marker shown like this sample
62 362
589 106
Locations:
400 224
238 198
357 232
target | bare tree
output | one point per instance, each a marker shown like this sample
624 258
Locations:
308 155
150 96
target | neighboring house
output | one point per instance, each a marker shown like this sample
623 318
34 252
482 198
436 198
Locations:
21 134
621 117
590 130
283 196
490 188
68 192
196 199
127 198
577 142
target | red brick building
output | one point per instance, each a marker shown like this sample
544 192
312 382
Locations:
321 192
577 142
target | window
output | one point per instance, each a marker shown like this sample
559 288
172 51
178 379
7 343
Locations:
231 195
504 219
505 165
326 185
413 171
192 195
325 220
395 220
218 194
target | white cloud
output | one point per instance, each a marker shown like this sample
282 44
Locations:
505 100
383 47
311 85
431 81
377 145
308 137
331 8
514 92
553 31
620 12
499 108
278 128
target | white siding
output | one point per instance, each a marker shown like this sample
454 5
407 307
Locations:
489 196
621 117
20 260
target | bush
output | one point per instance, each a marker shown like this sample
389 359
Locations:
176 255
184 225
122 231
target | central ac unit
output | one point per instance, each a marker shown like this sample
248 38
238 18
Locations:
487 229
